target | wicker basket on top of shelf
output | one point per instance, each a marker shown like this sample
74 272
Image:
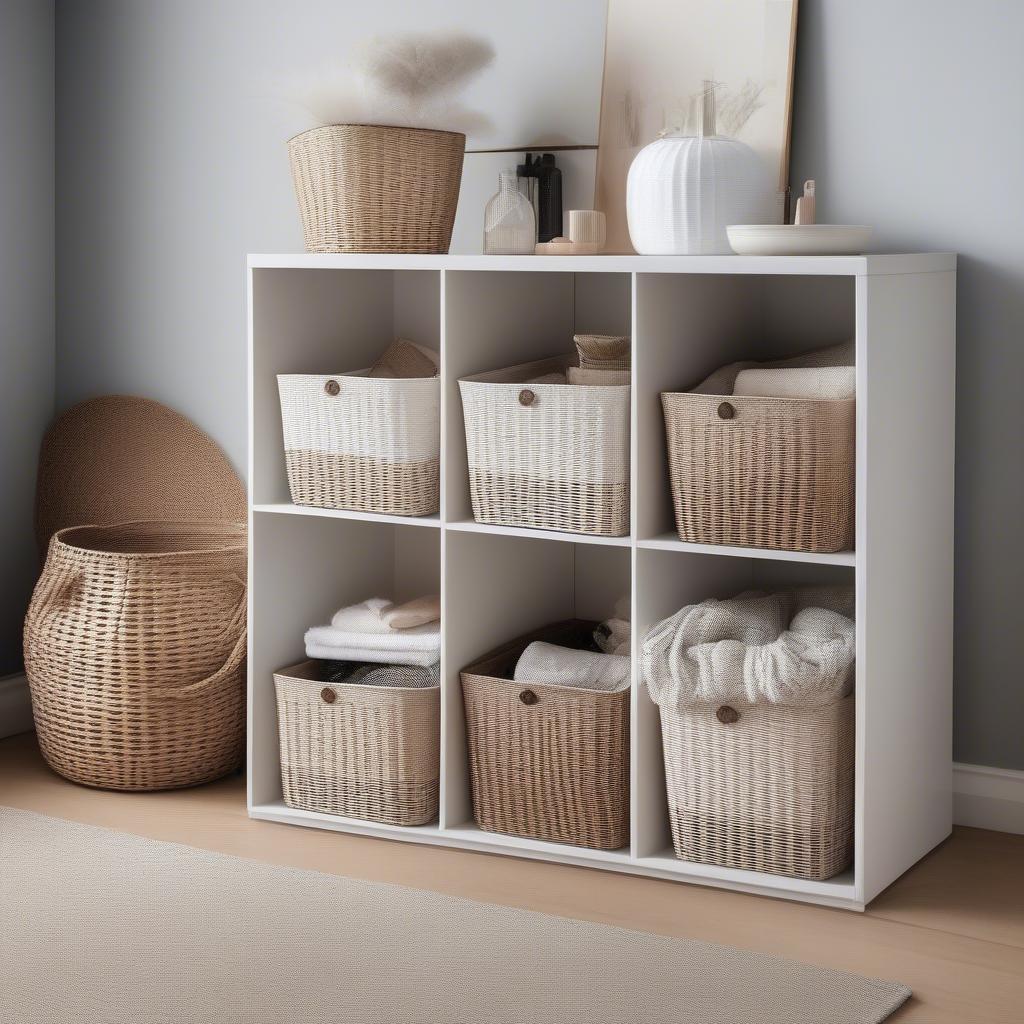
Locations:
377 188
546 455
547 762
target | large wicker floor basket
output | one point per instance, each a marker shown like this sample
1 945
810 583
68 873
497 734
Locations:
374 188
762 472
762 786
548 456
362 443
135 654
370 752
547 762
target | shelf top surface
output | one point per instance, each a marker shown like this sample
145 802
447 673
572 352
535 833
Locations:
858 266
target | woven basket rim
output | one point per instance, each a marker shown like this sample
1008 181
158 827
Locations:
359 375
200 526
754 398
378 127
289 674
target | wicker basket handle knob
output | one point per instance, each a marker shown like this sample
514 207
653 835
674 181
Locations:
727 715
528 697
726 411
332 387
527 397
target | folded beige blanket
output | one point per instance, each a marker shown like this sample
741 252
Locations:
417 612
562 666
579 375
603 351
810 382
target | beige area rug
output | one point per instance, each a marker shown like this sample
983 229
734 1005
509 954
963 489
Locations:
99 927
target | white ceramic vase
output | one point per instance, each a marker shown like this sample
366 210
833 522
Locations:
683 191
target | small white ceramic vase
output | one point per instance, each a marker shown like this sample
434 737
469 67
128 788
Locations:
683 191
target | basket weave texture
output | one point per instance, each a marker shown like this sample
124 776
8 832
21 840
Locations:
370 752
548 456
362 443
135 646
762 472
771 791
556 768
374 188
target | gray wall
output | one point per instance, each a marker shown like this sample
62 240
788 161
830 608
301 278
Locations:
26 294
909 115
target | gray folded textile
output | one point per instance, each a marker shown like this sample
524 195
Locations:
562 666
723 380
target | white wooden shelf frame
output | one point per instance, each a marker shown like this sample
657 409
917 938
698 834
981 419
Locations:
327 314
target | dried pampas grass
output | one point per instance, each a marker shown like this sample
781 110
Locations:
406 79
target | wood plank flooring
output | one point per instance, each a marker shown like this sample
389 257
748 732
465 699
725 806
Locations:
952 928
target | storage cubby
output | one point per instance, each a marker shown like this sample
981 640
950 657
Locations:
309 566
686 316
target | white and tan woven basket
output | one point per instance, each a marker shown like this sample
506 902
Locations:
362 443
548 456
763 787
547 762
762 472
370 752
376 188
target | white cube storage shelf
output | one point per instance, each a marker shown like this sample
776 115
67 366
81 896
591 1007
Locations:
686 315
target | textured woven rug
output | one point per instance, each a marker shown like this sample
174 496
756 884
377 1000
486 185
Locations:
99 927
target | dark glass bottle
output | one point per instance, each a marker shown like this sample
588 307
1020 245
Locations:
545 192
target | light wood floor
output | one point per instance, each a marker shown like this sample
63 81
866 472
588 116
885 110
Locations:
952 928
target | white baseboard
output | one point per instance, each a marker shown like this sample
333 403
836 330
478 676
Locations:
983 797
15 705
988 798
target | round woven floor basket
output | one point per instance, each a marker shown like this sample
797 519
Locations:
373 188
135 646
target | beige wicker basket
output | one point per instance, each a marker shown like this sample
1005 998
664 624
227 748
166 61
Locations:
548 456
547 762
362 443
135 653
762 472
762 787
374 188
370 752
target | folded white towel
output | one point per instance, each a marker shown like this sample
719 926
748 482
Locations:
327 652
419 638
562 666
820 382
365 617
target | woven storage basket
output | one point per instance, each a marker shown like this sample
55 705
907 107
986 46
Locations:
770 790
762 472
135 653
370 752
362 443
549 456
547 762
374 188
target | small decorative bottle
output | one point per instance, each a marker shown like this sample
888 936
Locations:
510 227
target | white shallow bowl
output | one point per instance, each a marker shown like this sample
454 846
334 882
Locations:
798 239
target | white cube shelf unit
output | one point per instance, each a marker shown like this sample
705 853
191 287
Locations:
687 315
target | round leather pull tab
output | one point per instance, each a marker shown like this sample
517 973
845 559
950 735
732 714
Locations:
332 387
726 411
528 697
527 397
328 696
727 715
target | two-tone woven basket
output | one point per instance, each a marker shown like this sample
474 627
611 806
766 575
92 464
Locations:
135 646
370 752
547 762
763 787
548 456
375 188
762 472
362 443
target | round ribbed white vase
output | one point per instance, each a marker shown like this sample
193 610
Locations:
682 191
